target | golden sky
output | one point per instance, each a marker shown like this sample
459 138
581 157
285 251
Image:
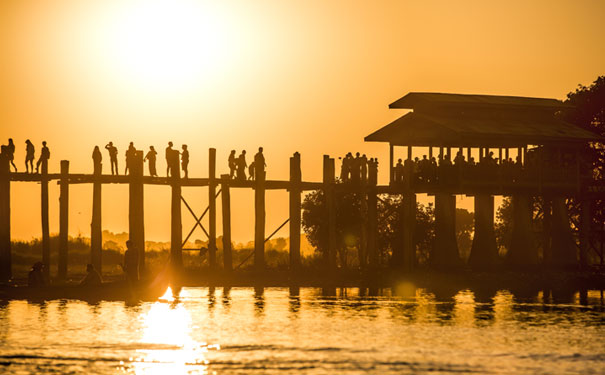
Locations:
308 76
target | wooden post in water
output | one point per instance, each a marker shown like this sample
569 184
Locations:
226 205
96 231
585 221
259 219
44 216
5 219
176 226
212 208
372 221
136 221
328 179
63 219
295 206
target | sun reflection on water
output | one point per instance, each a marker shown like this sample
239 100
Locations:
168 345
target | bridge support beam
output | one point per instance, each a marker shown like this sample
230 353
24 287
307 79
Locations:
45 218
563 245
585 222
96 231
212 208
445 249
330 204
63 219
484 251
136 221
176 225
259 220
522 251
5 220
295 207
372 221
226 206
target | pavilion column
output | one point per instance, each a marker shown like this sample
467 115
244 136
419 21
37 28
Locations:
445 249
484 251
522 251
563 246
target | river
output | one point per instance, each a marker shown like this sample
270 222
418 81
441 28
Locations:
307 331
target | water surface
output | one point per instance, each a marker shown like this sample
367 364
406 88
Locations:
307 331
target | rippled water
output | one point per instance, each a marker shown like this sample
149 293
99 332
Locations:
306 331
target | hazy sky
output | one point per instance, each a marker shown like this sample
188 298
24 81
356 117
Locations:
307 76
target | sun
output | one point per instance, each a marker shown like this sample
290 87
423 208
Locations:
169 44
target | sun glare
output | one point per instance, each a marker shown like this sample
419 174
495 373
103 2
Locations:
170 44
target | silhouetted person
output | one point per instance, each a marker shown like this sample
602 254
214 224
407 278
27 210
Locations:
10 153
345 168
356 168
151 157
241 166
92 278
130 155
36 277
131 262
251 171
30 152
44 156
185 161
364 168
169 157
232 164
113 157
259 163
399 171
97 158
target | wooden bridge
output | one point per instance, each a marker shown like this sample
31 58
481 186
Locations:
430 126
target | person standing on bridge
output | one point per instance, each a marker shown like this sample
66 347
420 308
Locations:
169 157
241 166
232 164
185 161
10 153
30 152
130 154
97 158
259 164
113 157
44 156
151 156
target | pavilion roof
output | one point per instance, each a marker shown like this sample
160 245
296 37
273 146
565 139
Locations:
456 120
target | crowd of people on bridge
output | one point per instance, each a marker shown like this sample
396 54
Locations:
9 149
357 168
238 165
172 159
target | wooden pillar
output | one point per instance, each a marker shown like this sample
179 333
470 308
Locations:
585 221
372 222
63 219
546 230
226 206
522 251
409 224
45 219
212 207
500 155
506 153
445 254
96 231
391 164
176 225
430 152
484 250
328 179
136 217
563 246
295 207
362 245
410 152
5 220
259 220
468 153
